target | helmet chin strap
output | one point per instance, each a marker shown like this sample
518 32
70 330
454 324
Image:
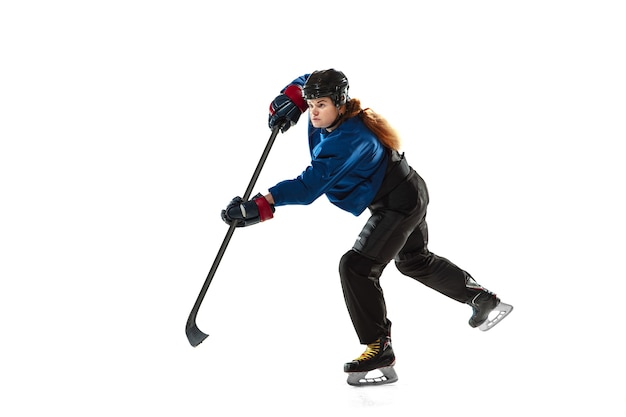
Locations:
338 119
336 122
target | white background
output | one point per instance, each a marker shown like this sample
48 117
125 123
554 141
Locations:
126 126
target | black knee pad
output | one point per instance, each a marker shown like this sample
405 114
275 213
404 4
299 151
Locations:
348 262
353 265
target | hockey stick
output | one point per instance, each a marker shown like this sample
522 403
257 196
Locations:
194 334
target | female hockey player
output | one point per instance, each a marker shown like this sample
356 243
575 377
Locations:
355 162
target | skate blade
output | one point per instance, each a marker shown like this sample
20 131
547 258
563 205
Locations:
502 310
360 379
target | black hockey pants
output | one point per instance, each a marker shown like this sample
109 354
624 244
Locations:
396 230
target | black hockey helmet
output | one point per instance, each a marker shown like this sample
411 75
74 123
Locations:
327 83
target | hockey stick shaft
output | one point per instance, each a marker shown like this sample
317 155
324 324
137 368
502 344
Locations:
194 334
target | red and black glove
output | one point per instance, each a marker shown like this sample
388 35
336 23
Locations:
286 109
248 213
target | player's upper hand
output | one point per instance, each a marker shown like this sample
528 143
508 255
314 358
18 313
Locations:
286 108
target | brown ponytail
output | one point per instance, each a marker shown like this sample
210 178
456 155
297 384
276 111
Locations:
379 126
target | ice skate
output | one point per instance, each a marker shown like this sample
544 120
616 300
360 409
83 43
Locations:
378 356
488 310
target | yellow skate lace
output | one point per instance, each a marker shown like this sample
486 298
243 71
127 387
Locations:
371 351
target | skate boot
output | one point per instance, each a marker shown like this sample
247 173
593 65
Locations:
483 303
377 356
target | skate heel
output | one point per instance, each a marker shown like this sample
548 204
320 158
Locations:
502 310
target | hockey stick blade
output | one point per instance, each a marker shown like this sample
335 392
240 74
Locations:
194 334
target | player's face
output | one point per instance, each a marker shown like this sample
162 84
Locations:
322 112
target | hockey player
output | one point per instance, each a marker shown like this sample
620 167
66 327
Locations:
355 162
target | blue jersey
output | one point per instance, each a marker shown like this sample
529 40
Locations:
347 164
